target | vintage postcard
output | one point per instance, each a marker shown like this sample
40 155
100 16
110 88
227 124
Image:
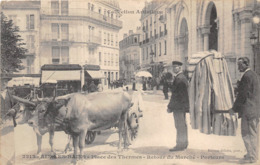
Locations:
130 82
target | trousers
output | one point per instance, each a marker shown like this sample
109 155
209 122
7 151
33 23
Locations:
250 135
181 129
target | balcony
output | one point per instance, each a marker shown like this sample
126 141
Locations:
94 41
79 13
51 39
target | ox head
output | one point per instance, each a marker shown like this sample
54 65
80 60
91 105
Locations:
45 113
23 110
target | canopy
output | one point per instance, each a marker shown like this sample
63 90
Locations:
21 81
143 74
95 74
61 75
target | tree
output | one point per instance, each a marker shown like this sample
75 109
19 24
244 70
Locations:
11 47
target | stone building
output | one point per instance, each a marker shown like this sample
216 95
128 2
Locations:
130 54
200 25
72 32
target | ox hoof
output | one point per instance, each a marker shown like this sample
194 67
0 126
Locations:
53 154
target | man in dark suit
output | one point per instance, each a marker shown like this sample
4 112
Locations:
247 105
179 105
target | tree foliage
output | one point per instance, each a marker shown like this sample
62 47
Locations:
12 50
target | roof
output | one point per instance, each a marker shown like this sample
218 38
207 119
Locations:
61 67
91 67
21 4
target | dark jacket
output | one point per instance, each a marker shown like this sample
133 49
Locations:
6 103
247 101
179 99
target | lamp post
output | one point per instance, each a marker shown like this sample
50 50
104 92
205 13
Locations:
254 39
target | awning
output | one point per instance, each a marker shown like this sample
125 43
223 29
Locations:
95 74
58 75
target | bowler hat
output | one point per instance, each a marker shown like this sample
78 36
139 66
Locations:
177 63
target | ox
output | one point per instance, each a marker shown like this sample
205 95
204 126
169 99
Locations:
23 111
80 113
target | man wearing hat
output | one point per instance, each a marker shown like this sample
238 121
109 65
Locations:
179 105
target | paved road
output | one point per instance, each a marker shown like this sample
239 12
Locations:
157 134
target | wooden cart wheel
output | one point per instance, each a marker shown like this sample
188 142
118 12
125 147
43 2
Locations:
90 137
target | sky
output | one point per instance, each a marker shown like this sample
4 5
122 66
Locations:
130 21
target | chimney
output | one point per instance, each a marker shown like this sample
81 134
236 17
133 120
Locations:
125 35
131 32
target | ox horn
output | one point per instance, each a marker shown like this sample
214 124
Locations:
24 100
39 99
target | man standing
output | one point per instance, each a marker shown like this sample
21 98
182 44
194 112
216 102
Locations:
179 105
247 105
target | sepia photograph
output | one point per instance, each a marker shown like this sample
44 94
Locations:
130 82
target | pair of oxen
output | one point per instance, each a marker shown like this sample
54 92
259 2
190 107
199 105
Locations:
78 113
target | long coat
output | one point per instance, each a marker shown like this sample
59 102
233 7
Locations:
247 101
179 99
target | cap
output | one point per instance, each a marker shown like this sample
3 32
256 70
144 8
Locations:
177 63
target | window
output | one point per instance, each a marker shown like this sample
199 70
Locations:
30 21
105 59
89 6
30 43
112 40
99 10
55 55
64 32
64 55
29 64
105 12
151 34
100 59
155 50
64 7
60 32
92 7
143 53
116 40
60 55
116 75
108 59
112 76
147 53
55 31
160 48
151 21
116 59
135 40
112 59
54 7
108 38
105 78
105 40
165 47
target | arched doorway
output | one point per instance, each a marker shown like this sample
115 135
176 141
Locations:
184 42
213 22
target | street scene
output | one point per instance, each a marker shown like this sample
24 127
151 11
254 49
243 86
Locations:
130 82
156 135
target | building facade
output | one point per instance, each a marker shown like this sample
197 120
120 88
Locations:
200 25
154 43
130 54
75 32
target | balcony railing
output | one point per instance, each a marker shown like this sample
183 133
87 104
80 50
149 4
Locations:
79 12
56 38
